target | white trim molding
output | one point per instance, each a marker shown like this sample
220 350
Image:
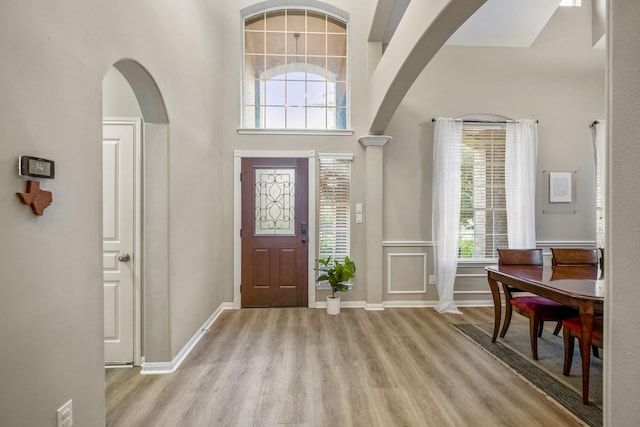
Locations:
336 156
149 368
566 244
539 243
343 304
407 243
307 4
373 140
410 304
327 132
434 303
274 154
475 303
424 272
374 307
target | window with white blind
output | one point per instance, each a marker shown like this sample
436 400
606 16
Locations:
483 210
295 71
599 212
334 206
599 135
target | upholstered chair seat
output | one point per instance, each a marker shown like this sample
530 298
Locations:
541 306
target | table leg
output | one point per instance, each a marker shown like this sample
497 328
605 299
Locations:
497 307
586 317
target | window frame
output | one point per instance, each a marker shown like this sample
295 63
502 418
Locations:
308 6
345 159
486 259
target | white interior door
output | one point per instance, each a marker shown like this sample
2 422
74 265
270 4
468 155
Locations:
119 195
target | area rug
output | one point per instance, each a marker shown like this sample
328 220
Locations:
514 351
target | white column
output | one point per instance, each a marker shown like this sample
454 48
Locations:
373 222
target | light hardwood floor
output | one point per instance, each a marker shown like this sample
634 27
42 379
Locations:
302 367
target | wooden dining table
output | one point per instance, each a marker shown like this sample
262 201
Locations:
576 286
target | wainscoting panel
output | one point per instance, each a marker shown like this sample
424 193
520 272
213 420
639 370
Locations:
407 273
410 262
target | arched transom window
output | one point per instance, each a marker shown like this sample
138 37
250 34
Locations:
295 71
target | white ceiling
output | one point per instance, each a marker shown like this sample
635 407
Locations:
500 23
505 23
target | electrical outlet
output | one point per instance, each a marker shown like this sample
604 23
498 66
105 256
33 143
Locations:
65 415
432 279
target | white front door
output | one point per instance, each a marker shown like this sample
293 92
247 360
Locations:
119 196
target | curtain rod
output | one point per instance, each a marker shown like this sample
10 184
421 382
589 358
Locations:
485 121
595 122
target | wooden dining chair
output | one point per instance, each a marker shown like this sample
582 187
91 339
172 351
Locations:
538 309
574 256
572 329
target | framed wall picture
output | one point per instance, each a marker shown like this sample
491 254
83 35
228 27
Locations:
560 187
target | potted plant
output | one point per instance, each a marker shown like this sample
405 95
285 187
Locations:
337 274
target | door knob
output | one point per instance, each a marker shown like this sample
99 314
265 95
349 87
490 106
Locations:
124 257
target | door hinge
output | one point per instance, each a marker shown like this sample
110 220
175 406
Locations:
240 176
241 232
240 287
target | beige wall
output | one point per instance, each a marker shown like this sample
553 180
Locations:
50 286
51 304
622 317
118 99
560 81
359 20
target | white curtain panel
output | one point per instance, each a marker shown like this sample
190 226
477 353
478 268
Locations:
600 146
521 153
447 143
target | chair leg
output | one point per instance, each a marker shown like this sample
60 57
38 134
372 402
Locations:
507 318
569 342
585 374
534 325
540 328
556 331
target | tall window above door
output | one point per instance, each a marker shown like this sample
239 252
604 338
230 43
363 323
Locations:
295 71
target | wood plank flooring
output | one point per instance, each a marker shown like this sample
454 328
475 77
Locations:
302 367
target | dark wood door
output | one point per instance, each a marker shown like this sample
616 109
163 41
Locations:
274 232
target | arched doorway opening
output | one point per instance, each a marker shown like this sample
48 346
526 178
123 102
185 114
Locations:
135 198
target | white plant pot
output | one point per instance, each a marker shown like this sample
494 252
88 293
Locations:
333 305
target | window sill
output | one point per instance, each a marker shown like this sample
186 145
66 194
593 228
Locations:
478 261
327 132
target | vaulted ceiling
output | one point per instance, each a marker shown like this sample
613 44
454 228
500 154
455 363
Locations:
498 23
412 33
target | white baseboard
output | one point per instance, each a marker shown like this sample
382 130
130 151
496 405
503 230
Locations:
475 303
343 304
433 304
405 304
149 368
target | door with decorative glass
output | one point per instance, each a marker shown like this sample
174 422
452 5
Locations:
274 232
